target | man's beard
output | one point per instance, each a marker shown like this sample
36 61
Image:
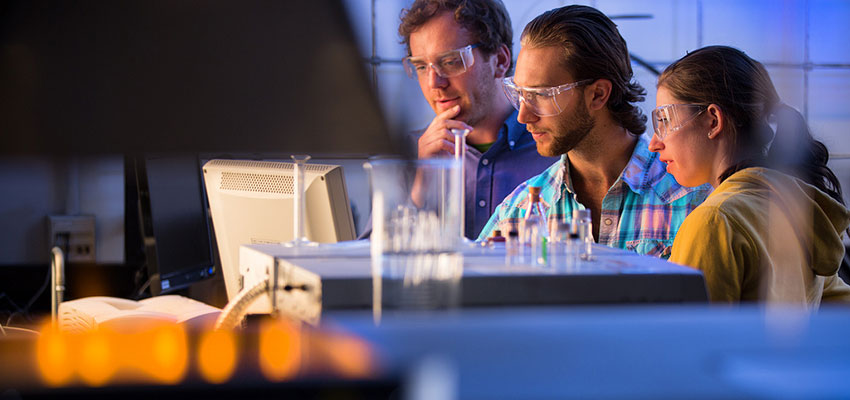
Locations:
571 132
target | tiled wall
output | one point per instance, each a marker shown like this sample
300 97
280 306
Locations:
804 44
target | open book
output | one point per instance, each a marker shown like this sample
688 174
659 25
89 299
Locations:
122 314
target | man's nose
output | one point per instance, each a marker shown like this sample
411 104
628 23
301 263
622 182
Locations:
525 114
434 79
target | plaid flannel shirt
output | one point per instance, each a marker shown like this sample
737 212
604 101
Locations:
641 212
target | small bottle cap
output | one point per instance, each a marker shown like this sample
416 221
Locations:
534 193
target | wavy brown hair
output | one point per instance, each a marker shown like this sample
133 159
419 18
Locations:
593 49
487 20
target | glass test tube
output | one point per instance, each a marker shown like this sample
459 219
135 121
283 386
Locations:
460 156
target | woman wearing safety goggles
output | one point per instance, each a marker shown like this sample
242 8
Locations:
772 228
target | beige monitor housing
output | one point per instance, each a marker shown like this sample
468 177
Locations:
251 202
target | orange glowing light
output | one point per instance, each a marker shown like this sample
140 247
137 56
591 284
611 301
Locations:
169 353
280 349
217 356
96 363
349 356
52 354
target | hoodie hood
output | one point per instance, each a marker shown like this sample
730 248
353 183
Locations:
818 221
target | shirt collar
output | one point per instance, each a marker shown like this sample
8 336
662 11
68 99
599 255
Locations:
643 172
563 173
636 174
641 167
514 129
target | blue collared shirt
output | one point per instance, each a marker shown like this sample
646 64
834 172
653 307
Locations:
641 212
491 176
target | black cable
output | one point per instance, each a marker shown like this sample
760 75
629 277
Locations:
12 303
144 287
25 310
40 290
643 63
18 309
631 16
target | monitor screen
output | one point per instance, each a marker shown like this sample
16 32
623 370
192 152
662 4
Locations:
174 221
251 202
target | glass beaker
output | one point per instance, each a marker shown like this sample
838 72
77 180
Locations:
416 262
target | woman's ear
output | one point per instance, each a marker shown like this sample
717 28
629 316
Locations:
717 120
503 61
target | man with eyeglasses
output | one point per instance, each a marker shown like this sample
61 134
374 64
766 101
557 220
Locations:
575 92
459 51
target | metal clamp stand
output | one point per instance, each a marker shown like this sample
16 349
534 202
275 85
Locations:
57 281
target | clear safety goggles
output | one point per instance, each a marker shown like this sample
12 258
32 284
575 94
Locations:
446 65
670 118
541 101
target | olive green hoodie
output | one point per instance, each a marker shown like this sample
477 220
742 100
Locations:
763 235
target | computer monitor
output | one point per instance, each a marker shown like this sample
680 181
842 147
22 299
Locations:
251 202
173 221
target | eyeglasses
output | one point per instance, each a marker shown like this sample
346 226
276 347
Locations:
446 65
541 101
670 118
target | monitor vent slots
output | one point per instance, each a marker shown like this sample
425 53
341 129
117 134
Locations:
284 166
263 183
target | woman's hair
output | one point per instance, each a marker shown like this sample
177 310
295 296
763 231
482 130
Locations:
487 20
592 49
743 90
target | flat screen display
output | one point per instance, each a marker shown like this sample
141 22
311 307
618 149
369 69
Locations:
175 222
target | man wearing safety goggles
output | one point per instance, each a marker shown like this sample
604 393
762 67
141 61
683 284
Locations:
573 89
459 53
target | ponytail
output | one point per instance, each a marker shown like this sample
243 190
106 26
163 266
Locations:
794 151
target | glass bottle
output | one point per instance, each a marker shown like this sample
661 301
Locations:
559 241
533 229
512 248
584 230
